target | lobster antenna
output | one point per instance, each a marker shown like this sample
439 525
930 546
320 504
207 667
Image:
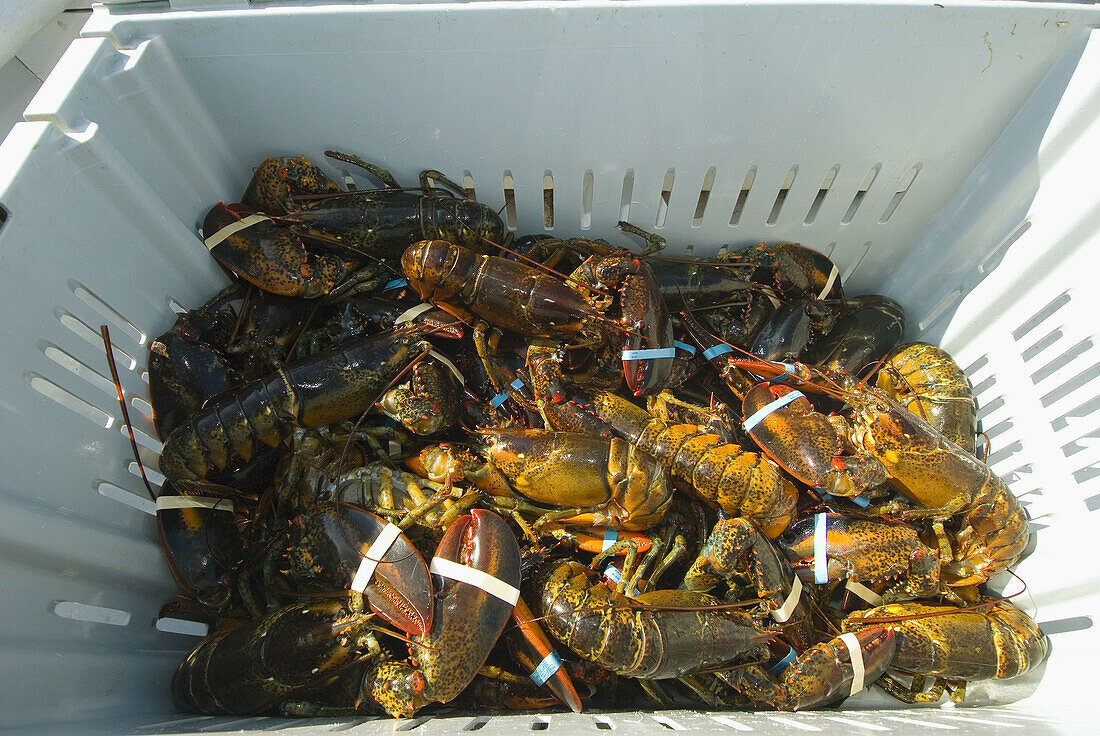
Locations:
302 331
122 404
240 315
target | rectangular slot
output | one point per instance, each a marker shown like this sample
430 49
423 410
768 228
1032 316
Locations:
586 200
70 401
781 197
468 185
627 196
704 196
746 187
548 199
509 200
822 191
666 195
857 200
903 189
84 294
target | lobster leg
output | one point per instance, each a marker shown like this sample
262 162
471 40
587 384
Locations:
735 546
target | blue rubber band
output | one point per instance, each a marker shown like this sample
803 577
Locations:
395 284
719 349
500 398
777 669
550 664
821 560
764 411
649 354
613 574
610 536
684 346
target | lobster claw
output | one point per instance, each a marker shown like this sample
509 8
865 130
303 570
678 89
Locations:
477 574
373 557
399 589
648 347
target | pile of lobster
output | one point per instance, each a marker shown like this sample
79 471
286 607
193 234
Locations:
410 461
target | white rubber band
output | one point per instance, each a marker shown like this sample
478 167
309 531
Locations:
395 448
610 536
864 592
447 362
829 284
193 502
477 578
821 559
374 555
413 312
550 664
784 612
649 353
233 227
855 653
763 412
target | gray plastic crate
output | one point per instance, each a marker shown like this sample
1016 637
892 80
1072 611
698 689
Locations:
942 153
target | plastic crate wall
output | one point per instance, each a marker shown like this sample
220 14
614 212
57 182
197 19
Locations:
943 155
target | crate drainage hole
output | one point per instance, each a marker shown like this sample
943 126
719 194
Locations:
586 200
468 185
93 337
548 199
477 724
860 194
903 189
70 401
604 724
3 216
92 614
128 498
746 186
996 255
781 197
826 184
540 724
509 200
84 294
627 196
934 313
704 196
666 195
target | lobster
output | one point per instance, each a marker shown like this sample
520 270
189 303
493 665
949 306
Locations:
949 486
890 557
325 388
993 640
666 634
538 303
252 667
741 483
